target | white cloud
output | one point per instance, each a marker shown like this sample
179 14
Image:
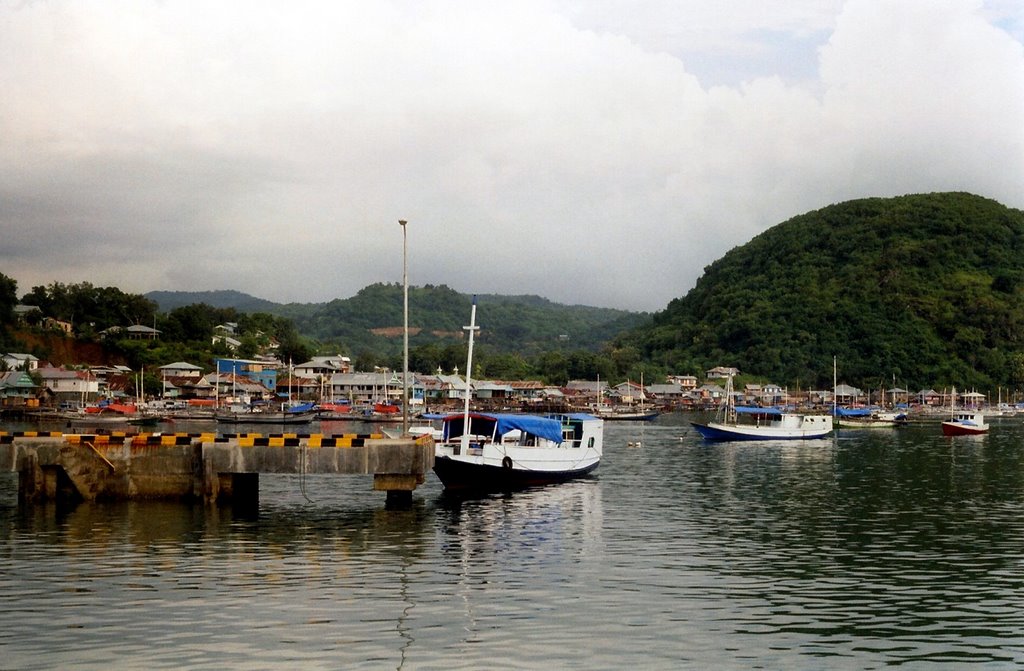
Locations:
589 152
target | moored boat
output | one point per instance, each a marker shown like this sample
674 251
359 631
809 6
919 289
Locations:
496 452
627 415
963 422
300 414
762 423
868 418
967 423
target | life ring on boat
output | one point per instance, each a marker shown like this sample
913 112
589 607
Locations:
506 462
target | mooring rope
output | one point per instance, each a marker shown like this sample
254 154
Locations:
302 473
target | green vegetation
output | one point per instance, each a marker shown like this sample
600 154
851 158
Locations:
926 289
923 290
521 336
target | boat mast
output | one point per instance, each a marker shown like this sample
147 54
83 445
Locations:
472 328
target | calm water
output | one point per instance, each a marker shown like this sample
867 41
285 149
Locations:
880 548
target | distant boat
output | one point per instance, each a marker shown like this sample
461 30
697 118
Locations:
968 423
964 422
299 414
868 418
762 423
626 415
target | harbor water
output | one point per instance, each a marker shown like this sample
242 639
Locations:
871 549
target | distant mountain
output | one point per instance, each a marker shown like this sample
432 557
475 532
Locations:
372 319
915 291
169 300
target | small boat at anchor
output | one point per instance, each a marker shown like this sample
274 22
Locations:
498 452
868 418
299 414
762 423
963 422
967 423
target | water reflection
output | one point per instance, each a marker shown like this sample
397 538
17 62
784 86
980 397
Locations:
872 549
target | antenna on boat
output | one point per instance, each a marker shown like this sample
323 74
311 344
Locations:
472 328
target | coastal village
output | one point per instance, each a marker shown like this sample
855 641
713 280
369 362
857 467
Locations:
26 383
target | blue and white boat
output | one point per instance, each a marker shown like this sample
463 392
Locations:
496 451
762 423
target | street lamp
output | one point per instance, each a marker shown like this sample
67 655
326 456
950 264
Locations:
405 330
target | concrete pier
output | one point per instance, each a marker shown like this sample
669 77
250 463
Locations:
70 467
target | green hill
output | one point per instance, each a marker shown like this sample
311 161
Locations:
227 298
923 290
372 319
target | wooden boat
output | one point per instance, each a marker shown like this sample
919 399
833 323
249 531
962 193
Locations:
963 422
762 423
868 418
497 452
968 423
627 415
300 414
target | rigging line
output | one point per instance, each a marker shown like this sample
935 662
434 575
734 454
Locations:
302 473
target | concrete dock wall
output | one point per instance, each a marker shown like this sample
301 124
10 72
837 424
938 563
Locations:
201 466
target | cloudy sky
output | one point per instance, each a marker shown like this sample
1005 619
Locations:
600 152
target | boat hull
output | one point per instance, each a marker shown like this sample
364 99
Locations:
718 432
266 418
960 429
629 416
460 475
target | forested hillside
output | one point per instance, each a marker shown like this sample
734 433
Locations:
923 290
371 320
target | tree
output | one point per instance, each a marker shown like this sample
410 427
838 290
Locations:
8 299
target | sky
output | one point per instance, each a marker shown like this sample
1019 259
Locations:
595 152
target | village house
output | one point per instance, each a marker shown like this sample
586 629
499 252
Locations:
75 386
686 382
238 389
627 393
261 372
763 394
366 388
322 367
440 389
586 392
848 395
721 373
672 393
708 394
20 361
16 388
26 313
52 324
180 369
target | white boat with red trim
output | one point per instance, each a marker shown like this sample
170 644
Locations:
967 423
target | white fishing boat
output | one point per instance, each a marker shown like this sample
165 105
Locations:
762 423
869 418
496 451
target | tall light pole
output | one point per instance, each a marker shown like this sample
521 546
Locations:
405 329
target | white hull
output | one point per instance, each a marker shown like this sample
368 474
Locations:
507 459
786 427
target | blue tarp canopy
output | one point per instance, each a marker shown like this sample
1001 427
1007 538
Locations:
500 424
754 410
854 412
302 407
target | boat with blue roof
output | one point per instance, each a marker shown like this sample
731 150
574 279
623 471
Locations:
761 423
